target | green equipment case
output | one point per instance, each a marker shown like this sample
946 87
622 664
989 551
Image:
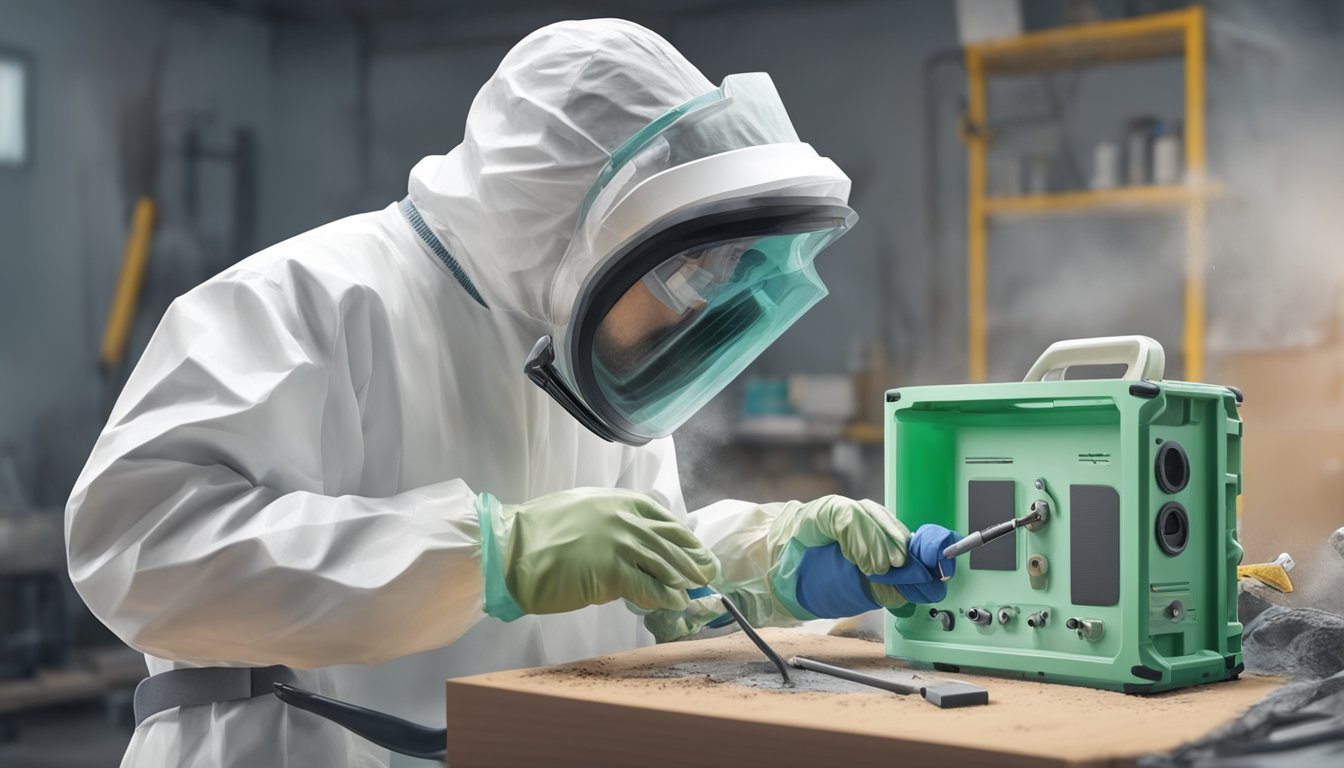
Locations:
1130 583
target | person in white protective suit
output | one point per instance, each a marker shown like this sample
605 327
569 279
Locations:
434 440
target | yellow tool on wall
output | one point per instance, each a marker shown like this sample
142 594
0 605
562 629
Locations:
117 331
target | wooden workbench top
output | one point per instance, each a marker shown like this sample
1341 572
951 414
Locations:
660 706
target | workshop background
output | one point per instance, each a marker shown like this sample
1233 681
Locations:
147 144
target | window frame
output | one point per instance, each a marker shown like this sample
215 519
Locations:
28 104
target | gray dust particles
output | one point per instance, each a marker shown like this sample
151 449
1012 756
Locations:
763 674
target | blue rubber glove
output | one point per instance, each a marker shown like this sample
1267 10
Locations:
831 587
918 580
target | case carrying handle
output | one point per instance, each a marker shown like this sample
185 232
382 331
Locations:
1143 356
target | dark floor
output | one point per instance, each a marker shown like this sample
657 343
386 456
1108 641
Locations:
86 735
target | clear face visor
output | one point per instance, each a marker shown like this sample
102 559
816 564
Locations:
679 335
689 281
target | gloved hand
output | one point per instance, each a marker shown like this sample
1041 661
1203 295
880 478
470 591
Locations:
587 546
706 609
831 587
821 551
918 580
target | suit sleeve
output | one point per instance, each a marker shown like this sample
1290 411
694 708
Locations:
208 524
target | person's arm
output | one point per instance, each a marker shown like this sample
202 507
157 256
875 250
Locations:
833 557
738 532
211 522
786 562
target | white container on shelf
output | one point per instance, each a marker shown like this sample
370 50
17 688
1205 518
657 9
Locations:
1167 159
1105 165
1139 151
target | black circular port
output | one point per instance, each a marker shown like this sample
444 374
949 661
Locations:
1173 467
1173 528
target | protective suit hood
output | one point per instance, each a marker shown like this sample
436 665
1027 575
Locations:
652 233
506 200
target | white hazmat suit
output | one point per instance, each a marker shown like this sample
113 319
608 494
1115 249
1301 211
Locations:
290 475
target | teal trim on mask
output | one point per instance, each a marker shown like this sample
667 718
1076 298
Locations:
436 246
784 580
635 143
497 601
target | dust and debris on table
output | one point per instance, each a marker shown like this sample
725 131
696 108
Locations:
762 674
717 669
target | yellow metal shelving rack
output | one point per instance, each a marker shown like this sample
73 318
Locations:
1178 33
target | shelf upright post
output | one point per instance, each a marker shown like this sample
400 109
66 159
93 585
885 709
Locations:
977 140
1197 209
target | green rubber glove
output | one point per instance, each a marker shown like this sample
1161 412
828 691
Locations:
759 563
667 626
869 537
587 546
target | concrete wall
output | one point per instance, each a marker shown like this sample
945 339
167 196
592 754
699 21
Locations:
63 217
313 168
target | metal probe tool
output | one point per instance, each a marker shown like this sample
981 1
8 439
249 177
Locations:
1033 520
982 537
941 693
750 632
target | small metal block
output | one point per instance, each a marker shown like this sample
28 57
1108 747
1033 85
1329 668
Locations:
955 694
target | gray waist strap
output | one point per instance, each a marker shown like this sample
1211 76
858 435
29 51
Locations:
205 685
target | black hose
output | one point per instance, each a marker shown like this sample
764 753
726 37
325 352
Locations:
401 736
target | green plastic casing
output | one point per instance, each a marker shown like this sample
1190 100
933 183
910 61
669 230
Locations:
1173 622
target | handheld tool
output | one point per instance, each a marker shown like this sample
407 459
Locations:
940 693
1033 520
1037 516
750 632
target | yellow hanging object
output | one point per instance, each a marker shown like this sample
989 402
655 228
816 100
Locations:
120 317
1274 574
